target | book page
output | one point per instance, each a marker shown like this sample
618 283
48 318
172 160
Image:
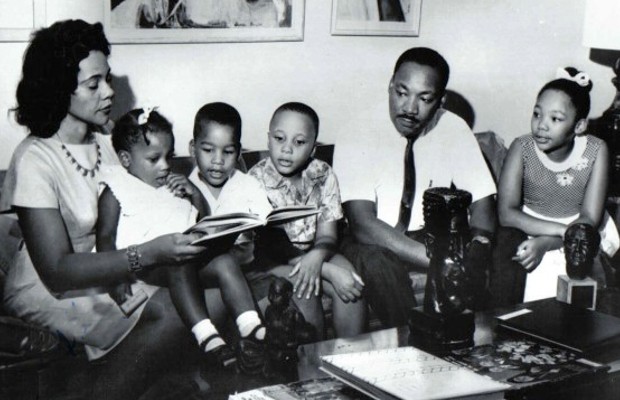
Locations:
214 233
215 226
312 389
255 394
410 373
284 214
223 219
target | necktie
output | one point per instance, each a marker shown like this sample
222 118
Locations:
406 202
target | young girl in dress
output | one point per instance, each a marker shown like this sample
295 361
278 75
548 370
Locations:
142 199
551 178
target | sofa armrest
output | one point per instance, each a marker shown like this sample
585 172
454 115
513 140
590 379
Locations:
10 239
494 151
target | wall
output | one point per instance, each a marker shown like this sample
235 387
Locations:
501 52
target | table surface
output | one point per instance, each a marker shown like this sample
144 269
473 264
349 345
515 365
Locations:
309 355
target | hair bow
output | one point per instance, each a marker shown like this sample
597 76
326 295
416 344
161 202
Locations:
582 79
146 112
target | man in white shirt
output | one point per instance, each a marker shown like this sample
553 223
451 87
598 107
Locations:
445 152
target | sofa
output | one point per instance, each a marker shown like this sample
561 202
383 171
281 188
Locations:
491 145
32 371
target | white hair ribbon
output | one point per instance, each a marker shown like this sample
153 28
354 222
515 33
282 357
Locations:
146 112
582 79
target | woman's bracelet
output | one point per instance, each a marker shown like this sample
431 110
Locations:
133 258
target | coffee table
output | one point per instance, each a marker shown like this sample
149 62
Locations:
598 386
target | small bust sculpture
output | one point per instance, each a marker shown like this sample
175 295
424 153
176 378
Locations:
286 327
581 243
447 229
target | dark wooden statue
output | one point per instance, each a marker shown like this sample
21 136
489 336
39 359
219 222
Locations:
447 229
286 328
581 243
445 321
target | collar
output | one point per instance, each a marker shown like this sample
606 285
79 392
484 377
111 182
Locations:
314 171
432 123
574 159
196 176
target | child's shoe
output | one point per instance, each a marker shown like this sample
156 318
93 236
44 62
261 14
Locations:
251 356
251 353
253 335
220 357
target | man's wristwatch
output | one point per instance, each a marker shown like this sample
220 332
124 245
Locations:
133 258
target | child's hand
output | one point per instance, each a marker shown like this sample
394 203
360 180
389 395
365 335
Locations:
530 253
347 284
179 185
308 270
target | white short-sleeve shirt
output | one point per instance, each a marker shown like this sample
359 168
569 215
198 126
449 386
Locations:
446 152
241 193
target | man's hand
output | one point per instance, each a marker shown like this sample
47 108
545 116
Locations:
347 284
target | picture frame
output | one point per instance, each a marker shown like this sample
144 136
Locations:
376 17
196 21
19 18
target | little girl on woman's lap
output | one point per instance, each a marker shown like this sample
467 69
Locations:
551 178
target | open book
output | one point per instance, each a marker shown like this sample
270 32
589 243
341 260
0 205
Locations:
407 373
524 363
313 389
229 226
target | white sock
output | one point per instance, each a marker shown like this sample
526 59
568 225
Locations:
202 330
247 321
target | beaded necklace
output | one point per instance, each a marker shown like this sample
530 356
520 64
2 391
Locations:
82 170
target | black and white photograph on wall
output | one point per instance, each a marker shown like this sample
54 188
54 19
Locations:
19 17
174 21
376 17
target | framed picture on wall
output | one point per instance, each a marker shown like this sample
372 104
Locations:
186 21
18 18
376 17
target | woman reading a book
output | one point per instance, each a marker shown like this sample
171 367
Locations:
56 281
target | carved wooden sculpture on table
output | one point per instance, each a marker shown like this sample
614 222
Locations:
286 329
445 320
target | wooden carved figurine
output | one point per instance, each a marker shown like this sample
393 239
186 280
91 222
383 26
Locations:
447 234
286 327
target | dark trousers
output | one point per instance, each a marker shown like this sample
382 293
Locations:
507 280
387 287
